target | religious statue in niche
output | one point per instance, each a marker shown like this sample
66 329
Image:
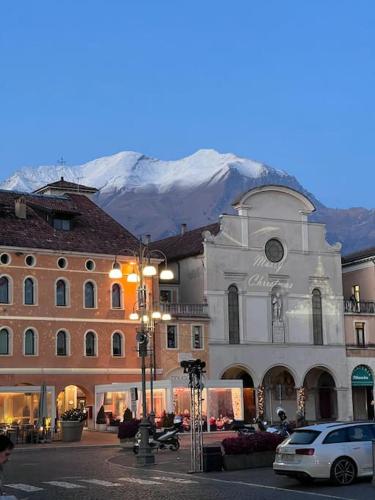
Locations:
278 327
277 305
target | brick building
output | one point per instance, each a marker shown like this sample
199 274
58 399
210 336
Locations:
63 321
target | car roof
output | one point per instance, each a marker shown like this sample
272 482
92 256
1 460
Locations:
331 425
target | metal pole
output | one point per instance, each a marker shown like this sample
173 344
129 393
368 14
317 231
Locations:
152 368
145 455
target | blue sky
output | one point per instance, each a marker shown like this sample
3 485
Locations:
287 82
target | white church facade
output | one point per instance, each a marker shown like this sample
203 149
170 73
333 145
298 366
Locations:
273 288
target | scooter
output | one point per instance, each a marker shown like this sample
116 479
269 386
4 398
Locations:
242 428
168 438
283 428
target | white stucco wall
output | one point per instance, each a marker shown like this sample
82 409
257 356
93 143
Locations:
236 255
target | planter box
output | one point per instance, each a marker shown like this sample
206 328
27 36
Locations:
71 431
112 428
127 443
250 461
101 427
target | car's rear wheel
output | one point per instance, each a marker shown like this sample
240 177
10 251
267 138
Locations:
343 471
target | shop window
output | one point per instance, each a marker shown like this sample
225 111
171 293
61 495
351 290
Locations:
4 290
4 342
61 343
197 337
172 337
233 315
30 343
61 293
117 349
90 344
89 295
116 296
29 292
317 317
360 334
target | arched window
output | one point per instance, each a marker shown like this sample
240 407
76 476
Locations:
89 295
233 315
29 292
30 343
116 296
90 344
61 343
4 290
61 293
117 344
4 342
317 317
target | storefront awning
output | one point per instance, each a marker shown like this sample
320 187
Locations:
362 377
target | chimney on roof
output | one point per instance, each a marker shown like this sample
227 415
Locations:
62 179
183 229
20 207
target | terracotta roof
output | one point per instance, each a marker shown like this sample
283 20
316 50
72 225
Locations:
93 230
359 255
70 186
184 245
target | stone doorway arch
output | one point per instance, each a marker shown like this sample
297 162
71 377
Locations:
320 395
240 373
279 391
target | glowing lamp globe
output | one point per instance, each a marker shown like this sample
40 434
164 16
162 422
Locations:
166 274
149 271
115 272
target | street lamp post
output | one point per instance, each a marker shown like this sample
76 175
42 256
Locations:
146 329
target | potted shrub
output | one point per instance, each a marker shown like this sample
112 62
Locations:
113 425
255 450
72 424
101 420
127 431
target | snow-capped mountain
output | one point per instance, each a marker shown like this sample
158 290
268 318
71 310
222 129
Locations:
153 196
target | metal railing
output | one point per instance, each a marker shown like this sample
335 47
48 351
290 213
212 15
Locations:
194 310
361 307
360 346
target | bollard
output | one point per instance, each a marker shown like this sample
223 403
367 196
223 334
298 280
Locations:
373 461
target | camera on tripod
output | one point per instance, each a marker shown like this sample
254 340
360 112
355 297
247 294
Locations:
193 366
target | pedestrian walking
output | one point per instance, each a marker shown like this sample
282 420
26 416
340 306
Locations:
6 447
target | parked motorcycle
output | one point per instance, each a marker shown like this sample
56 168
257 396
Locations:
283 428
242 428
168 438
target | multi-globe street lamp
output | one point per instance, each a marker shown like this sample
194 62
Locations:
147 316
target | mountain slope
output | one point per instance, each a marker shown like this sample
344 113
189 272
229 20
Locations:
148 195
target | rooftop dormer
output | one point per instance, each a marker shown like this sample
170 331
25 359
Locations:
65 187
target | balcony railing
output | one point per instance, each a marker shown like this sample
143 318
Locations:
193 310
360 346
361 307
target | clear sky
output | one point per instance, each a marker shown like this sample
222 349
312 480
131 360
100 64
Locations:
287 82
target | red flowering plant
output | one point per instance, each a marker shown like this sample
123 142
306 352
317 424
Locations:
128 429
259 441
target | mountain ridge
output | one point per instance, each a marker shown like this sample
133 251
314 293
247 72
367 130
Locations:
148 195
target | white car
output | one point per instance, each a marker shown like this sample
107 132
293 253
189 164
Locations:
338 451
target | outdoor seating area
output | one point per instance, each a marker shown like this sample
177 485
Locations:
26 434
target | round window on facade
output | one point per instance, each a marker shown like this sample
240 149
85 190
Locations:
62 263
274 250
30 260
90 265
4 258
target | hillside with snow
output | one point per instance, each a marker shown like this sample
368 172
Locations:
154 196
